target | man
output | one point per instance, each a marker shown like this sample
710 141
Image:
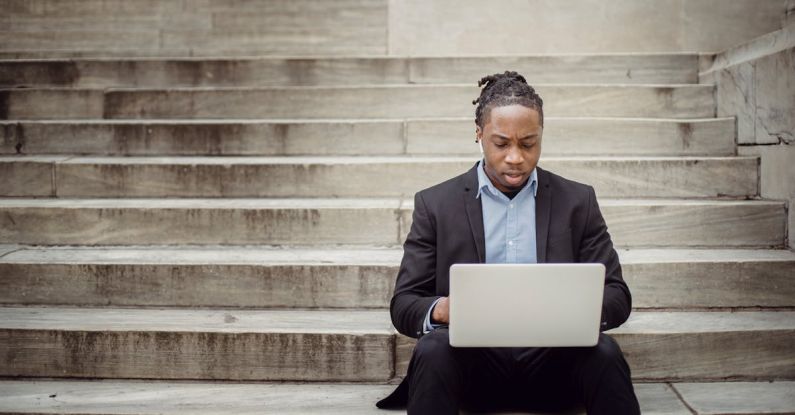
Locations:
505 209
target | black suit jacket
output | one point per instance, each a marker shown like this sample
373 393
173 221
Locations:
447 229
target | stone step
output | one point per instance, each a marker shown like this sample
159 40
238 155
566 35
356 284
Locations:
163 397
318 70
351 277
632 222
349 345
321 102
562 136
65 176
694 346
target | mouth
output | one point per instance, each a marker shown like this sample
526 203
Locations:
514 178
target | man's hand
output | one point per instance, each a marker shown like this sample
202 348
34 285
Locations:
441 312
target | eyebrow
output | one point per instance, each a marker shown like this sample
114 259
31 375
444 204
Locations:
534 135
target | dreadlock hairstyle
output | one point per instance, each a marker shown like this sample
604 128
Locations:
503 89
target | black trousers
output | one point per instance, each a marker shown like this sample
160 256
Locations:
443 379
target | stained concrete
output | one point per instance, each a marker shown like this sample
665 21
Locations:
394 101
632 222
695 345
678 223
562 137
659 177
351 277
739 397
304 27
349 345
450 27
131 397
319 70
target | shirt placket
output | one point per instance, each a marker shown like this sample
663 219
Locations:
510 232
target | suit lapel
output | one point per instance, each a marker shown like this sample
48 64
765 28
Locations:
475 212
543 206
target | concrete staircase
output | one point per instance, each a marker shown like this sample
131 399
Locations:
191 235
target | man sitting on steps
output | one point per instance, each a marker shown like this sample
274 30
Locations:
506 210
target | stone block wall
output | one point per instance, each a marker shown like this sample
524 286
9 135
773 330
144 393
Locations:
53 28
756 84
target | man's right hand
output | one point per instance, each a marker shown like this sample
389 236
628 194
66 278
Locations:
441 312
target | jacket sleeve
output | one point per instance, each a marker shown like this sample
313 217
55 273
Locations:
415 286
597 246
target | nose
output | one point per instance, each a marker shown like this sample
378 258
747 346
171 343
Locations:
514 156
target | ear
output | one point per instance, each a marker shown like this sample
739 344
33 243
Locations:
478 133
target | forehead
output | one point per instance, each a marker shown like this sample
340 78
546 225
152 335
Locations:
512 117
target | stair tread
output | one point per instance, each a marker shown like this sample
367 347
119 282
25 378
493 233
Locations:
340 255
344 321
315 203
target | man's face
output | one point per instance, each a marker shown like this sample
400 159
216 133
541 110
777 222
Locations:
511 138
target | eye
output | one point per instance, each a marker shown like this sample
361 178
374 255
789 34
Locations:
528 146
501 145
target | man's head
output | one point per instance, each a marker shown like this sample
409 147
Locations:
509 122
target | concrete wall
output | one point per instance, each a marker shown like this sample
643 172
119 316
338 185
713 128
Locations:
192 27
756 83
448 27
51 28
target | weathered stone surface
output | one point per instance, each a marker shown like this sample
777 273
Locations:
204 221
196 277
673 278
22 104
205 137
739 397
635 223
187 72
144 398
28 176
382 176
198 27
350 277
349 345
777 174
200 344
588 136
678 346
401 101
562 136
679 223
760 94
445 27
774 81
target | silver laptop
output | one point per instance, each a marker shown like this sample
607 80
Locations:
525 305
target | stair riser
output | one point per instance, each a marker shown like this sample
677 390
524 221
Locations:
639 69
689 356
653 285
360 102
239 178
325 357
562 136
656 225
196 355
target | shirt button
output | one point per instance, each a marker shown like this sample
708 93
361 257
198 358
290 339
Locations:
511 205
510 242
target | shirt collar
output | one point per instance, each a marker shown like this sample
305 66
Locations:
485 182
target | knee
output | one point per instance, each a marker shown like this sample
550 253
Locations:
606 351
433 347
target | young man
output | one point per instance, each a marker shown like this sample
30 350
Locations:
506 210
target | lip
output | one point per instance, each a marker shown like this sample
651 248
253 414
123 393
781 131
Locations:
514 178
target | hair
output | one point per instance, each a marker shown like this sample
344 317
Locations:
503 89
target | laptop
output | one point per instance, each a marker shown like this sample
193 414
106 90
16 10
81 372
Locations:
525 305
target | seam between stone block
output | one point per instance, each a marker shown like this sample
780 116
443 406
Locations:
681 398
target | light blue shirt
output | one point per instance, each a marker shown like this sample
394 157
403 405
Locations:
509 225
